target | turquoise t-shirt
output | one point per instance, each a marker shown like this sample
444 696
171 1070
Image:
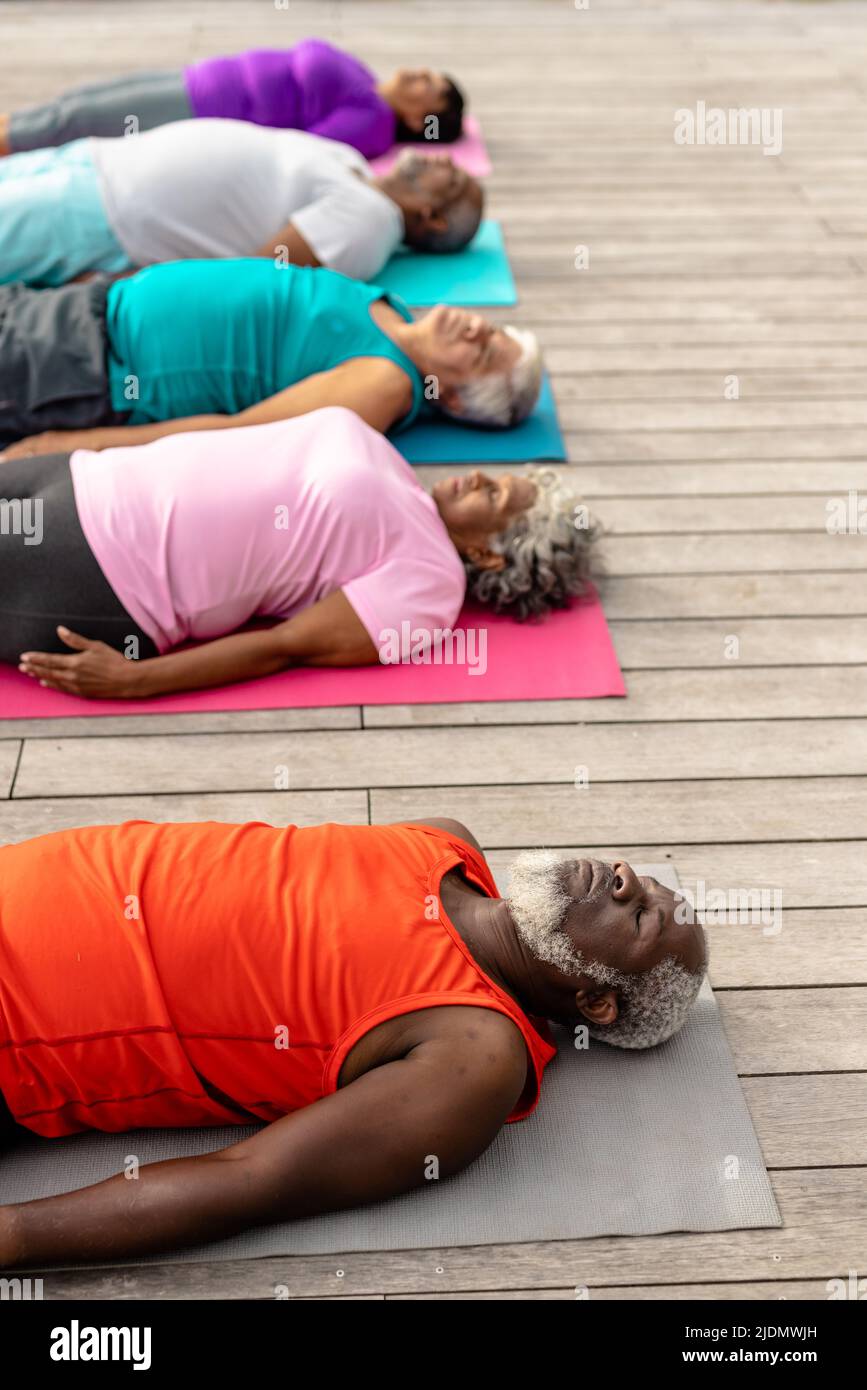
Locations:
215 337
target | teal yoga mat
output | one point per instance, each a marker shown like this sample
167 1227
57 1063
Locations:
478 275
438 440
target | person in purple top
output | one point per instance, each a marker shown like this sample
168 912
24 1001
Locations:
312 86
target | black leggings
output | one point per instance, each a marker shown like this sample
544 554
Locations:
48 572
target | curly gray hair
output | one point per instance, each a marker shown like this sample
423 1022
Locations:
502 399
654 1004
547 552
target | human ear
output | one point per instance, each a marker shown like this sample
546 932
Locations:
450 397
434 221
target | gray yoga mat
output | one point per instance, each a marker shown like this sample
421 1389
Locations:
621 1143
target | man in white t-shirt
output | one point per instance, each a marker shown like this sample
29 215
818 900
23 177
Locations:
214 188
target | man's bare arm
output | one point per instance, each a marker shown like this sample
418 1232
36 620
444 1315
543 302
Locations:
289 247
376 1138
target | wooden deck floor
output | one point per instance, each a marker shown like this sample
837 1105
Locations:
748 772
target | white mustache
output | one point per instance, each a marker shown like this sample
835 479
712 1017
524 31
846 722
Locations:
605 884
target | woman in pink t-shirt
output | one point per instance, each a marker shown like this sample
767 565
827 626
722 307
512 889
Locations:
315 523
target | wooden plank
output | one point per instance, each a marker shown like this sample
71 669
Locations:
830 262
709 515
10 751
736 692
762 946
727 478
204 722
712 351
792 1291
707 385
761 641
819 297
20 820
809 1121
761 552
402 757
608 813
804 342
823 1235
740 596
803 1030
667 446
723 415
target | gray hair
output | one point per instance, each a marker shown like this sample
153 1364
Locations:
462 223
654 1004
547 552
502 399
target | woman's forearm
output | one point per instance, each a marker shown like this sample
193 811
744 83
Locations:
126 436
239 657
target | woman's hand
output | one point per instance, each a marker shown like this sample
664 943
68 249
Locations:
51 442
96 672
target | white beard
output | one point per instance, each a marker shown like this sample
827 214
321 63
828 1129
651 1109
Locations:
538 901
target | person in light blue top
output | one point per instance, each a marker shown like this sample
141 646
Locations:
53 217
191 345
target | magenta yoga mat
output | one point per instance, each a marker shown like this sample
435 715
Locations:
569 656
469 152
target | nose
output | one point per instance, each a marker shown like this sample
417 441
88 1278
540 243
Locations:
625 884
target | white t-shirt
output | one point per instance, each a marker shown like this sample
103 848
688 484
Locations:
226 188
198 533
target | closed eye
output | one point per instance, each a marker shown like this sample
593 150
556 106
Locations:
638 922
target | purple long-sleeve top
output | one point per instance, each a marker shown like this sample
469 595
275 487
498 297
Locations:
311 87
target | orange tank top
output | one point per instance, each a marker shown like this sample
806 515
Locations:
207 974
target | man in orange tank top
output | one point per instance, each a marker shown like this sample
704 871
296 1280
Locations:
362 990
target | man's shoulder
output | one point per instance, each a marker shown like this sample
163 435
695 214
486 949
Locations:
452 827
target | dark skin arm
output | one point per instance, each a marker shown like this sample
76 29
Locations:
371 1140
329 633
289 248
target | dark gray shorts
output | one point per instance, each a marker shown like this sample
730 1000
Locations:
53 360
55 578
104 109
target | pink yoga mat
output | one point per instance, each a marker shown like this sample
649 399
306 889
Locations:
469 152
570 656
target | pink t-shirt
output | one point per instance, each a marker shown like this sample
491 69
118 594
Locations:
198 533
